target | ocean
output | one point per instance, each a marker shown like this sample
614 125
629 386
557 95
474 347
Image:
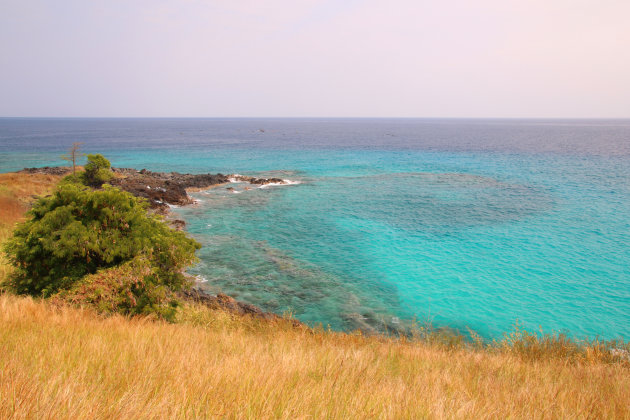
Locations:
462 223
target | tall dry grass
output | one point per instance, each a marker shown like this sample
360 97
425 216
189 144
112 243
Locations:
18 190
59 362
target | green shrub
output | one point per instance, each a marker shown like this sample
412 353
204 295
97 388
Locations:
131 288
77 231
97 170
78 178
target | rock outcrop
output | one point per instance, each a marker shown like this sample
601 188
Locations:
48 170
229 304
256 181
163 188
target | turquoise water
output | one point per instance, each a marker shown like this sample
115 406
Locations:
462 222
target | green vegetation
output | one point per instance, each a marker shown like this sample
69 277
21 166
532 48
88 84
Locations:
78 231
17 192
97 170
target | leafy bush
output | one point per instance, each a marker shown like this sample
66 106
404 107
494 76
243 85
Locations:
131 288
97 170
78 178
77 231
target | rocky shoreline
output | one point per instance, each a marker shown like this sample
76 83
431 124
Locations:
162 189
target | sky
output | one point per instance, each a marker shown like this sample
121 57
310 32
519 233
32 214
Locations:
315 58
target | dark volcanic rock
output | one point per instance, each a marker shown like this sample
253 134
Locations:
162 188
177 224
48 170
258 181
264 181
230 304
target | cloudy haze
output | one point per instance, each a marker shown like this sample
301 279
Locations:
203 58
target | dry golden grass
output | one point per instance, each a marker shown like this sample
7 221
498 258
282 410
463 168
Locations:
70 363
17 192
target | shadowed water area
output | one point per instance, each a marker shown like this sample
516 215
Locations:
467 223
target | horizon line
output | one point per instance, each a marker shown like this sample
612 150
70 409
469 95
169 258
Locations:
317 117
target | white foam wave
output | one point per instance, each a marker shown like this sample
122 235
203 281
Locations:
200 279
234 179
277 184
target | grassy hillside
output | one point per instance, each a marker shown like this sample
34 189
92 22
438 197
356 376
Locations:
58 361
70 363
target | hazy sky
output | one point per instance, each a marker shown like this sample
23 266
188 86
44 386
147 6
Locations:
345 58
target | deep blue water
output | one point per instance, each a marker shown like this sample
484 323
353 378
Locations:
468 223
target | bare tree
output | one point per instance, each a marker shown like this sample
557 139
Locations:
73 155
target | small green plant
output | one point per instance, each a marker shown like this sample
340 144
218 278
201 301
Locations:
97 170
